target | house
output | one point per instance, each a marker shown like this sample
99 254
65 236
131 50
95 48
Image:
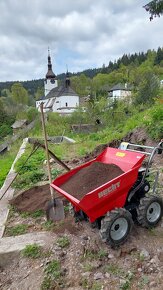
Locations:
60 99
119 91
19 125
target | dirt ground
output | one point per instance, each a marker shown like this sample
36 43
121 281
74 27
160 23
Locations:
87 262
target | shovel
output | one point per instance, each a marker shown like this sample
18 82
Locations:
54 208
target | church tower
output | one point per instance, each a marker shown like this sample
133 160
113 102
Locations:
50 79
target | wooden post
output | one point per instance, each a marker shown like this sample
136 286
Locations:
46 149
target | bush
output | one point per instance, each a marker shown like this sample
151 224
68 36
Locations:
5 130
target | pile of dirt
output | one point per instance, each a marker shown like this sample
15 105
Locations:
90 177
78 185
32 199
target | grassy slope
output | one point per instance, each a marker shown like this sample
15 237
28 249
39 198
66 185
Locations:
151 119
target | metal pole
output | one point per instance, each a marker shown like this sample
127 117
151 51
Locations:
46 149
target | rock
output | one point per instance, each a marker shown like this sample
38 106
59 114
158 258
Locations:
144 254
161 256
96 264
140 270
86 274
118 253
155 261
122 281
110 256
153 284
85 238
107 275
98 276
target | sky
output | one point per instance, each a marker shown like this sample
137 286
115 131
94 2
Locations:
81 34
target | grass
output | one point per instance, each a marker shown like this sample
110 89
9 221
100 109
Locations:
63 242
87 284
113 128
32 251
48 225
53 276
114 269
6 161
16 230
36 214
91 254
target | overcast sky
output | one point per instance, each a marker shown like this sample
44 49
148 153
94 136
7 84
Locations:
80 33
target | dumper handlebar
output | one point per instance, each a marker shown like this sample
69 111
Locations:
152 151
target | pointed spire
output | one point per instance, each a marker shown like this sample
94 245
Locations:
67 81
50 74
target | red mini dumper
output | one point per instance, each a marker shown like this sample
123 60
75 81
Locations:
113 206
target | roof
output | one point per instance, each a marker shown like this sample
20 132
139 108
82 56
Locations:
50 103
122 87
59 91
18 124
50 74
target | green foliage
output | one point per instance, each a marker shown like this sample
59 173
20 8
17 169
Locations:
148 89
29 171
32 251
48 225
154 122
88 284
63 242
19 94
5 122
55 172
29 114
27 179
36 214
114 269
5 130
53 276
155 8
16 230
6 161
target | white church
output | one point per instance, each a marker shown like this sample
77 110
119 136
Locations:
61 99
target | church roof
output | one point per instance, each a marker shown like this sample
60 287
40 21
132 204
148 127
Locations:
122 87
60 91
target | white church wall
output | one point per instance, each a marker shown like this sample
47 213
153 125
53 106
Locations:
49 85
66 102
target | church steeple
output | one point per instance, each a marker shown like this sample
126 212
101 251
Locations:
67 80
50 74
50 79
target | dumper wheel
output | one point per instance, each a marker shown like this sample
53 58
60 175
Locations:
150 211
116 226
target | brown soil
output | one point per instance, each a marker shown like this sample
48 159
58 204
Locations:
32 199
90 177
78 185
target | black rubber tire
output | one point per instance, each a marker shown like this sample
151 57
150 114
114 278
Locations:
109 221
145 211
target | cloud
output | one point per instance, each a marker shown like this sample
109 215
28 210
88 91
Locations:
82 34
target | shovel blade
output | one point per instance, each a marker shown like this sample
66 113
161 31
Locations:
55 210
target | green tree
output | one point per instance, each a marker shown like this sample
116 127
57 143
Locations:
148 89
155 8
19 94
39 93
